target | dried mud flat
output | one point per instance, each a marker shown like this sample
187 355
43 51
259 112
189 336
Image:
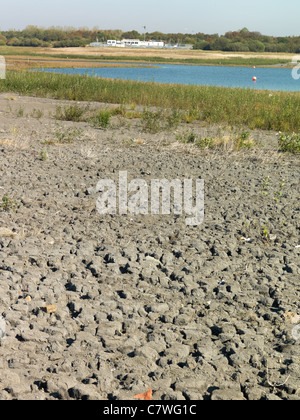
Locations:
196 313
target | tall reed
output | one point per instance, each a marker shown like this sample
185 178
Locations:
267 110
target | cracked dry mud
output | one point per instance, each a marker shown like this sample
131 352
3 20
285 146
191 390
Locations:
144 301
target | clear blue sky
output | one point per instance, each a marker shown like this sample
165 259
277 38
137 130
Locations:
271 17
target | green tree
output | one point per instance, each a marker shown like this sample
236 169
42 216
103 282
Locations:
221 44
35 42
256 46
239 47
201 45
132 35
15 42
3 40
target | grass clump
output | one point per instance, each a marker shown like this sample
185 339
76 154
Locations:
206 143
37 113
151 121
67 136
243 141
43 155
155 121
20 112
101 119
188 137
234 142
70 113
173 119
289 143
8 204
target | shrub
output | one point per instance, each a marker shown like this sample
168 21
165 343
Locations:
173 119
289 143
8 204
244 141
189 137
101 119
151 121
70 113
206 143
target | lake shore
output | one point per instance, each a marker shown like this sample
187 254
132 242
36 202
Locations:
266 79
174 54
103 307
158 56
240 107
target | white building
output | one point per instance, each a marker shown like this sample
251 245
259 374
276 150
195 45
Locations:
113 43
135 43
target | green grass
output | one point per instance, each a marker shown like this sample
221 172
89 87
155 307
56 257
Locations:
101 119
278 111
69 113
235 142
67 136
232 61
160 120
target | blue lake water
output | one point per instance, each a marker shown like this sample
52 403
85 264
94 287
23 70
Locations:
267 78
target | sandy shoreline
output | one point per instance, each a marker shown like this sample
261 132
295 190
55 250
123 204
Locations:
144 301
131 55
179 54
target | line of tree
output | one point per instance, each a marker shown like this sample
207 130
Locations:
242 40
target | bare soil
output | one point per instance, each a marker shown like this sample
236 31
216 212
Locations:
144 301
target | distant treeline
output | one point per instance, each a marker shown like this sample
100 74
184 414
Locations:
242 40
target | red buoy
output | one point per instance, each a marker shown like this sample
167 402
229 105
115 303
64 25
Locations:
254 79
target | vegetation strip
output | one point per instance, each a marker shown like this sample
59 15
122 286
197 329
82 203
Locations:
267 110
12 53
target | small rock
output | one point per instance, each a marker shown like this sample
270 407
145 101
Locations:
7 233
292 317
146 351
227 395
191 383
49 309
84 393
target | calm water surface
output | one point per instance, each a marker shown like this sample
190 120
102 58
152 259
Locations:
267 78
